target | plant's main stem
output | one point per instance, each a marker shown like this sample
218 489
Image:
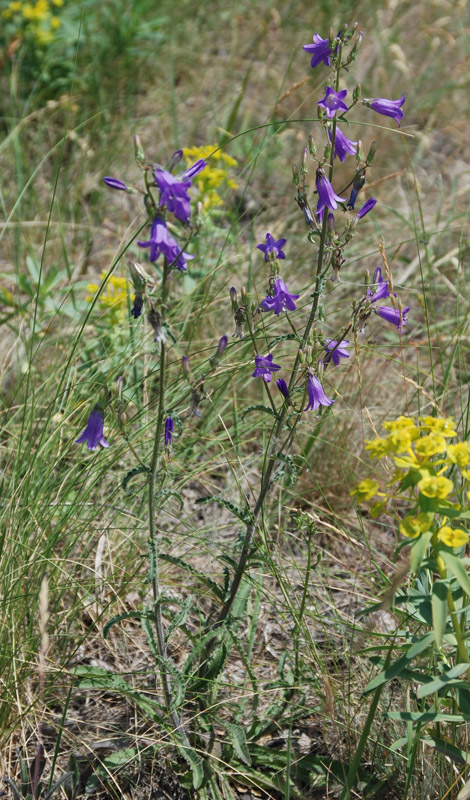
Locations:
152 487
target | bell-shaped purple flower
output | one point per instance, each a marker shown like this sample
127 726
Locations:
326 194
343 145
174 190
368 206
379 288
93 433
333 101
174 194
389 108
265 367
320 50
162 243
335 352
394 315
282 299
115 183
272 246
169 426
316 395
283 387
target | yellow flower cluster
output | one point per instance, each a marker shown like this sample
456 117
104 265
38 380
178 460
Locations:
39 19
113 298
214 176
422 452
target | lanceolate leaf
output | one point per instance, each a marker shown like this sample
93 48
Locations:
242 514
454 564
439 609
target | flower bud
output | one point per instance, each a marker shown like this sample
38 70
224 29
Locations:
185 366
311 146
234 298
330 222
357 92
356 46
175 159
359 151
155 319
371 153
304 167
223 341
243 294
139 276
138 150
119 387
295 175
331 36
301 357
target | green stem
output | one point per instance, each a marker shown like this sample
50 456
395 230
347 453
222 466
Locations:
156 591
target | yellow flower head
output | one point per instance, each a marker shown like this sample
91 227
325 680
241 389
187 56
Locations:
444 426
399 441
113 297
452 537
365 490
459 453
378 448
398 424
430 445
434 486
412 526
215 174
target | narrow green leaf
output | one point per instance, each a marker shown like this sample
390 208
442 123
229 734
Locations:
192 758
118 618
238 739
109 765
454 564
418 550
258 407
439 609
427 716
396 668
131 474
442 681
447 749
242 514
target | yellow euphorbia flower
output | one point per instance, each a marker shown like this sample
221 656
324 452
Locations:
459 453
365 490
452 537
430 445
399 441
444 426
434 486
412 526
398 424
378 448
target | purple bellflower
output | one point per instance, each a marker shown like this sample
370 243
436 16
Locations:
343 145
333 101
326 194
272 246
335 353
169 426
379 289
93 433
282 299
283 387
174 190
394 315
114 183
368 206
316 395
174 194
162 243
265 367
389 108
320 50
